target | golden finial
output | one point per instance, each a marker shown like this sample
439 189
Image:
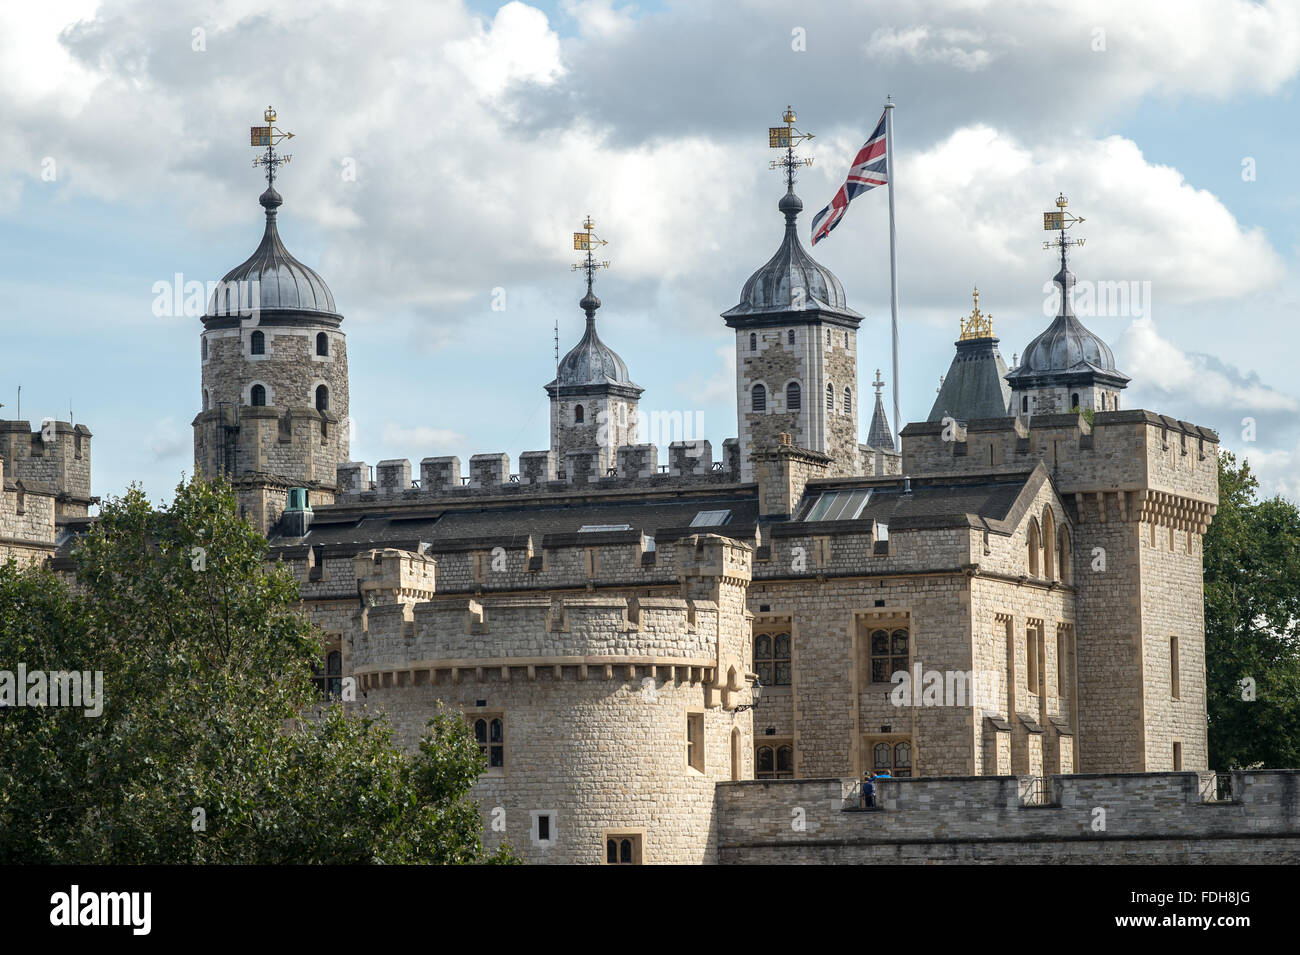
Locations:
978 325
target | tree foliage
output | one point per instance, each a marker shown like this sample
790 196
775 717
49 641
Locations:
212 745
1252 625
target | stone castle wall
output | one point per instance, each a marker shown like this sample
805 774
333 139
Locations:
26 521
595 691
1148 818
813 362
61 466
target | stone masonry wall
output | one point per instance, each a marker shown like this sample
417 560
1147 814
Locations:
1148 818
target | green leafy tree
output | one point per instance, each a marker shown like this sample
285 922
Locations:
1252 625
212 745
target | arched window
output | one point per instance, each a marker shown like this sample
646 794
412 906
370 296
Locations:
1049 544
774 762
322 343
830 397
322 398
1074 400
1035 545
893 759
577 414
204 347
828 337
848 401
489 733
735 754
792 396
889 654
622 414
758 398
1064 558
329 683
623 848
772 658
902 759
789 336
205 402
846 339
257 396
1024 404
258 344
753 342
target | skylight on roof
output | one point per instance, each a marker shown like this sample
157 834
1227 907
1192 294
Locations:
710 518
598 528
839 505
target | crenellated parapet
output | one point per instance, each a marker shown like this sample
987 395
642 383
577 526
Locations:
53 457
636 465
687 632
1116 451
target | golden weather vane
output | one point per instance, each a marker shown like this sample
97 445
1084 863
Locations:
786 137
269 136
978 325
587 241
1059 221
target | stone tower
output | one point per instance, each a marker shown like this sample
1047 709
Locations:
275 381
594 404
796 356
974 386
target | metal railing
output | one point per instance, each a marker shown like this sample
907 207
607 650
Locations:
1216 787
1036 791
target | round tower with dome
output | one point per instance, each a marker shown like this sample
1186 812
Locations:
1066 366
796 352
594 404
274 375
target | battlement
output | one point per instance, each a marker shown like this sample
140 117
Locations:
27 519
406 626
300 443
688 462
1120 451
55 456
1146 817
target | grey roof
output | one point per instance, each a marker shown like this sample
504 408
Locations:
1066 347
353 528
284 283
976 500
592 362
975 386
879 436
791 280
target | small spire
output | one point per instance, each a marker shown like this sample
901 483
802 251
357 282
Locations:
787 138
879 434
587 241
1059 222
269 136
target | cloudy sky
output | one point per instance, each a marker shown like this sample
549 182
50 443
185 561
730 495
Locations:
445 150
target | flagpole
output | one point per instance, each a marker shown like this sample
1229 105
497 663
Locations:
893 266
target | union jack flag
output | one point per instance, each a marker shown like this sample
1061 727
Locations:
867 172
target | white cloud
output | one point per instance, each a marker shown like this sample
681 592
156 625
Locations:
924 45
418 436
1191 379
519 47
169 440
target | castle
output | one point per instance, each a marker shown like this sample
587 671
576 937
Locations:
661 654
